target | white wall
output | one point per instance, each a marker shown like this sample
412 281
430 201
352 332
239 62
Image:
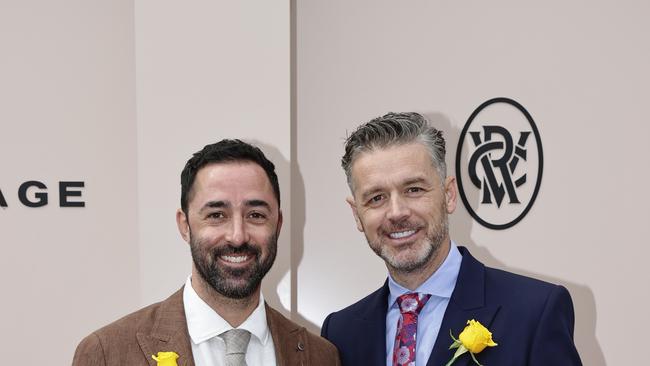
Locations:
581 71
119 94
67 113
206 71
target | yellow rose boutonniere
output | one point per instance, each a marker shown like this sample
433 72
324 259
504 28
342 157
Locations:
474 338
166 358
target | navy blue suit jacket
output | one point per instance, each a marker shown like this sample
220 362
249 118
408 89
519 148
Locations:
531 320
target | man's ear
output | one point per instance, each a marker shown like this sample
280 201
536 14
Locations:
277 231
183 225
353 206
451 194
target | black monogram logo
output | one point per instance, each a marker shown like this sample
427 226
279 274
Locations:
505 165
497 161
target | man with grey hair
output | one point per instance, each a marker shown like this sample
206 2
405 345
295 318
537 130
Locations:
401 199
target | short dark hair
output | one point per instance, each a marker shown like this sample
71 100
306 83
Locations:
225 151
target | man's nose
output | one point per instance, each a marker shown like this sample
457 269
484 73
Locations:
237 235
398 209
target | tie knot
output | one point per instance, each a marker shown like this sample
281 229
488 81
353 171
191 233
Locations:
412 303
236 341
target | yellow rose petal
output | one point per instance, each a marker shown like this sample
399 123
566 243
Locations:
166 358
475 337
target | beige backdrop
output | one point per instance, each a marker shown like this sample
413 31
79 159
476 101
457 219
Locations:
221 71
119 93
581 70
67 113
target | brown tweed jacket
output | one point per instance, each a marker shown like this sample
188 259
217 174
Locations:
161 327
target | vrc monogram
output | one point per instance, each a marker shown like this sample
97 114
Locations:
506 165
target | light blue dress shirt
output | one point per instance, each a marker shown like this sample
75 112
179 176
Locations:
440 286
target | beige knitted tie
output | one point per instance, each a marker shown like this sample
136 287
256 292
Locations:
236 345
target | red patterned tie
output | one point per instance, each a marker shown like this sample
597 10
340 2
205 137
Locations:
407 328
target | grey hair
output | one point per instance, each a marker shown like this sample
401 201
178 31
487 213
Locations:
395 129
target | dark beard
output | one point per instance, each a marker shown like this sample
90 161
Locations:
233 283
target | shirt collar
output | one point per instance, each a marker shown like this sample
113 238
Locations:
204 323
441 283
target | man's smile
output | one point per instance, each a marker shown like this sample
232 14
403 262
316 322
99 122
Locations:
401 234
235 258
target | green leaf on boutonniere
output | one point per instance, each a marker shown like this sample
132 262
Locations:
473 339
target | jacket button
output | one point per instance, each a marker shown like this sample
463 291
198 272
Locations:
301 347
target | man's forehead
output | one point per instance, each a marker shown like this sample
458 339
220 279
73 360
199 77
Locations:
394 149
242 170
394 164
227 204
380 180
378 158
231 182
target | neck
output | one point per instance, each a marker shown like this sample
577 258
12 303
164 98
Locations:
234 311
413 279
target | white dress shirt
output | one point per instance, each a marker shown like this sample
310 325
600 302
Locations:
204 326
440 286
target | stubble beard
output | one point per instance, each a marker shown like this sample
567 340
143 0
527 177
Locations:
237 283
418 255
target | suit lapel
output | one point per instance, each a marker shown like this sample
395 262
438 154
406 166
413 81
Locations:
372 338
467 302
289 339
169 332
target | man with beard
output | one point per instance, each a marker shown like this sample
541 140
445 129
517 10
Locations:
401 196
230 216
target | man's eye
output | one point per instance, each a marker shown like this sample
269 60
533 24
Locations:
376 199
257 216
414 189
216 215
